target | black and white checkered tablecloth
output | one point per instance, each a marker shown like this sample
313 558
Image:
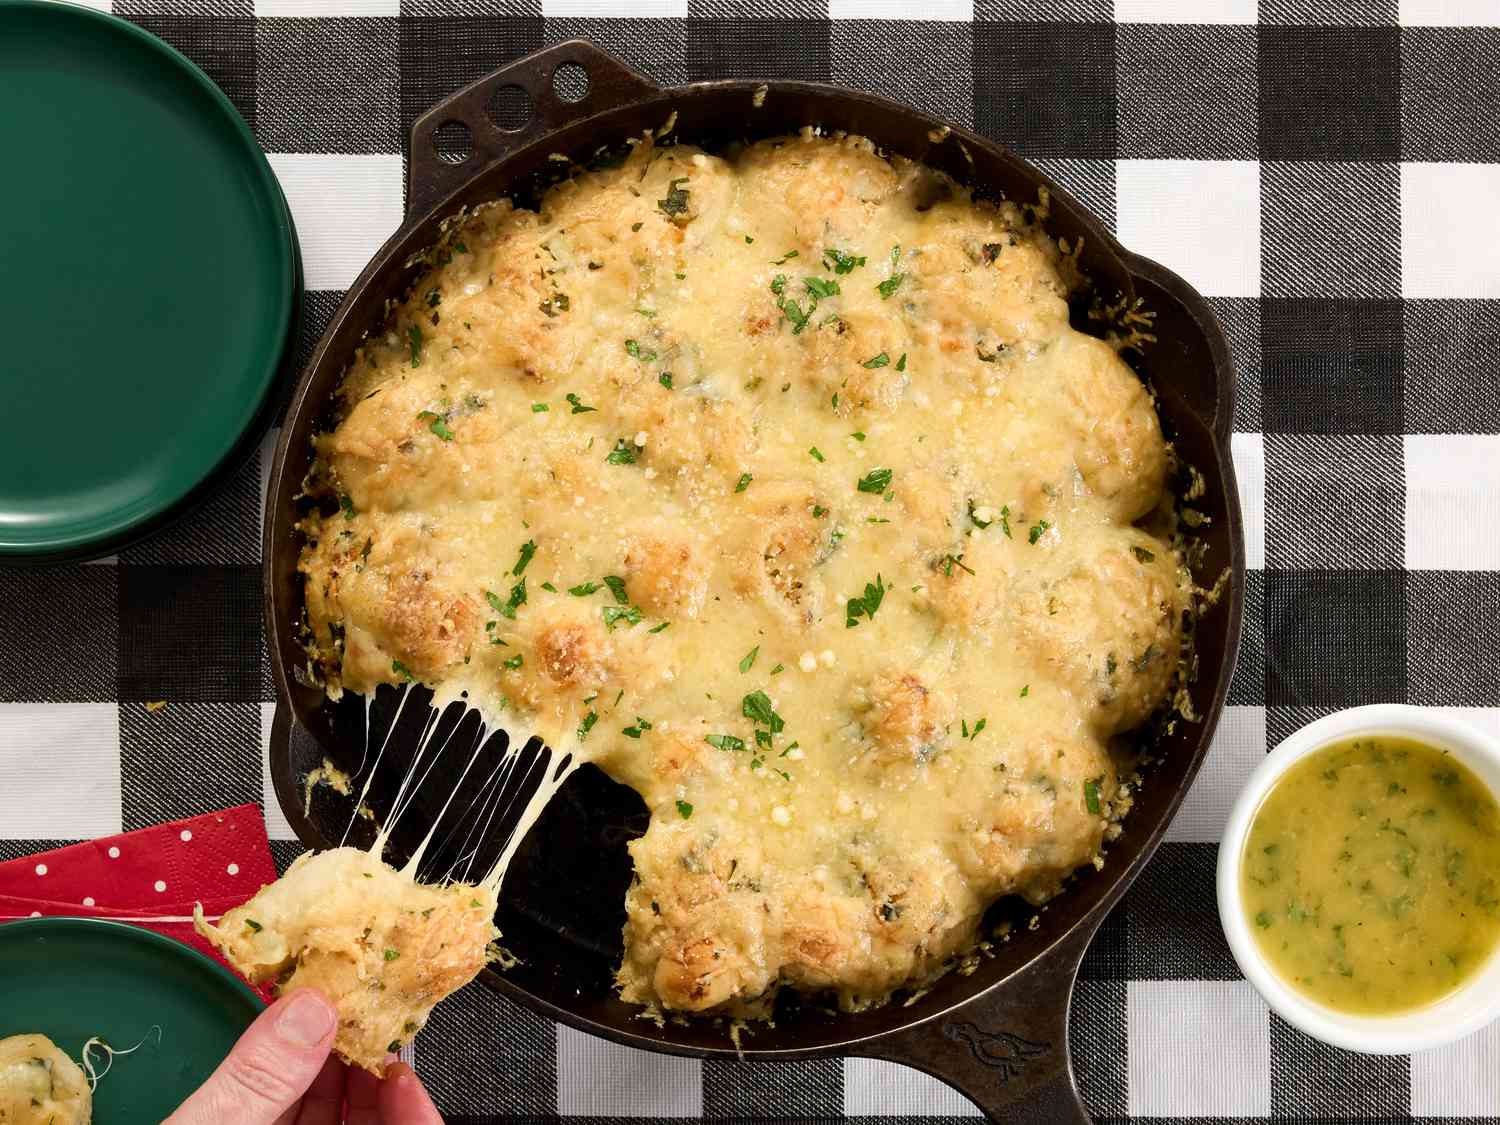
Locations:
1327 171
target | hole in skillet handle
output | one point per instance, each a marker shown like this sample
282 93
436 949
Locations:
511 107
452 142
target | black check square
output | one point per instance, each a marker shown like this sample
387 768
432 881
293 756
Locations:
1105 959
441 54
1334 501
223 47
328 85
1311 1080
1450 75
1330 230
655 47
190 634
485 1058
203 9
795 47
187 758
1187 91
59 630
1453 637
878 55
1356 13
1283 722
1331 365
1097 1026
1330 93
1172 910
1248 687
1451 380
1047 89
1335 638
318 307
811 1088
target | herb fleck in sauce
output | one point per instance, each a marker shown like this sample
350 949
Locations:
1371 875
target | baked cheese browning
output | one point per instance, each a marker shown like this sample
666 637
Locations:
779 486
383 948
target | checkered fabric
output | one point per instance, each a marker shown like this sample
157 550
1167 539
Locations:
1326 171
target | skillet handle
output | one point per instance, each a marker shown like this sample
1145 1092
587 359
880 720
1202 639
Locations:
1189 343
1007 1051
430 178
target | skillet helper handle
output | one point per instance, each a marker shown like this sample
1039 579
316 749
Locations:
1007 1052
431 178
1189 342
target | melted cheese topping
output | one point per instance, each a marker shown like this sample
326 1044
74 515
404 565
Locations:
41 1085
780 487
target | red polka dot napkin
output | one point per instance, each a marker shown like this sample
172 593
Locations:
150 878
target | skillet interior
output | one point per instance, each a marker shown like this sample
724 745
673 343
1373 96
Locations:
563 903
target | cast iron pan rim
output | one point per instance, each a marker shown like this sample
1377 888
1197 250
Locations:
1218 426
278 384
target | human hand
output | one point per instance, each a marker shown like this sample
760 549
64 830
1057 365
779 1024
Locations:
281 1072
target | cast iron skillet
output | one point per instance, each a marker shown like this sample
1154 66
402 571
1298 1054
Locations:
998 1034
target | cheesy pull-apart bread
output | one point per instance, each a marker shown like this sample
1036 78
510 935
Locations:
383 947
41 1085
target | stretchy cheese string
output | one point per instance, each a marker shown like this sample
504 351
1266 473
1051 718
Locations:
97 1044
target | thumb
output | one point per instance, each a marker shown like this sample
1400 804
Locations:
270 1068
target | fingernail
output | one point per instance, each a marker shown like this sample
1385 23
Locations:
305 1021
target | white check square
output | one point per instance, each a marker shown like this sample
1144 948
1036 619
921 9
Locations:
596 1078
1248 452
1186 11
1239 746
69 756
344 207
277 827
1459 1080
873 1088
1450 225
959 11
1200 218
1217 1036
1452 501
325 8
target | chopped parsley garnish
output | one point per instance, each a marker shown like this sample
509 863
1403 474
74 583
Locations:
866 604
778 668
684 809
881 360
583 589
787 257
635 731
1025 691
508 608
392 954
514 662
979 523
757 708
346 505
414 338
948 562
890 285
724 741
402 670
539 408
1005 520
971 735
253 924
635 351
616 586
1142 555
816 455
876 481
857 435
744 482
1037 531
1091 795
840 262
587 725
614 614
434 298
437 424
551 589
555 304
793 312
528 549
676 202
749 241
901 363
658 628
749 661
578 407
665 379
819 511
622 454
821 288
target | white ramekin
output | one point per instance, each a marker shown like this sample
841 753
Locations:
1474 1005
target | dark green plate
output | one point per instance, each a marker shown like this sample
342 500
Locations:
74 978
150 282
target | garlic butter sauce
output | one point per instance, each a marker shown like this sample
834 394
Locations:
1371 875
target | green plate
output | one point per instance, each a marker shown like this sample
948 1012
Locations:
74 978
151 280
